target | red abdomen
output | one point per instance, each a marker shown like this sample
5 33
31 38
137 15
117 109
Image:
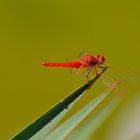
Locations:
70 64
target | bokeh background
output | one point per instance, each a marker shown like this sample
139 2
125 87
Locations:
32 32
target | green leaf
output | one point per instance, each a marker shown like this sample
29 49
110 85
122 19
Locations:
90 127
65 129
42 126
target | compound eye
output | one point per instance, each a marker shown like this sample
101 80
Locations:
103 58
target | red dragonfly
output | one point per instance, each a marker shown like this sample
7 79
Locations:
87 61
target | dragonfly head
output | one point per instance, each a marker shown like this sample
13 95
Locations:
100 59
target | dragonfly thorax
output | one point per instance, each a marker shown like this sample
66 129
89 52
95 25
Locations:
91 61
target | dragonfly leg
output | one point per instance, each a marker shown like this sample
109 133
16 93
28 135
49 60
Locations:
84 73
102 67
88 73
95 69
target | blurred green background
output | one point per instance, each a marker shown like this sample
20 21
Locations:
32 32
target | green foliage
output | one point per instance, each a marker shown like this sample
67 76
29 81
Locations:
42 126
64 130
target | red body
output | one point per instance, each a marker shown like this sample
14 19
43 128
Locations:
86 61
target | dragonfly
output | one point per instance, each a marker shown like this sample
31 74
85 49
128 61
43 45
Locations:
87 61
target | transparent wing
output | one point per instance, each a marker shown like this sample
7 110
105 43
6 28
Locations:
81 54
